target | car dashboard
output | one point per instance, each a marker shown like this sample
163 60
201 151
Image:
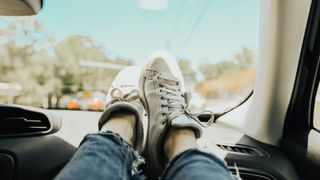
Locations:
42 155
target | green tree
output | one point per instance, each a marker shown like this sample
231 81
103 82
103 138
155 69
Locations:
184 65
244 58
241 61
53 69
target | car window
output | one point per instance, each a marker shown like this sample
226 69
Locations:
316 111
67 56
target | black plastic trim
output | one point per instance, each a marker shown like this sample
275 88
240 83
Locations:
300 138
251 174
37 157
49 122
274 166
300 112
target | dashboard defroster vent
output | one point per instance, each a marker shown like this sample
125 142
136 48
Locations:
241 150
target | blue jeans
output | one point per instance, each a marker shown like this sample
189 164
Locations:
108 156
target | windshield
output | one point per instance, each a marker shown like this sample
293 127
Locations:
66 56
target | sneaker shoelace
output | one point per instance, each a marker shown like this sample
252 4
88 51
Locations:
174 101
118 96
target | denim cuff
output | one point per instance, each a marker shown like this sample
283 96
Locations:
115 137
192 152
124 146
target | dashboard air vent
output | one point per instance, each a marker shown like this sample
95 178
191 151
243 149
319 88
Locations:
241 149
23 125
29 124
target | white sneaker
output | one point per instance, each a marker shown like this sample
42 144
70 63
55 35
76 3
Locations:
162 92
123 95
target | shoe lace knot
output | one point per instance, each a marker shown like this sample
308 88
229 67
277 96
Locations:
172 100
117 95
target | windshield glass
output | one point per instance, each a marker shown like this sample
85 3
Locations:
66 56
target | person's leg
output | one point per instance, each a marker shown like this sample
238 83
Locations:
187 162
173 128
113 153
179 140
107 155
122 123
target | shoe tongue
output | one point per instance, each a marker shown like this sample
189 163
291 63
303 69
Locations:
169 76
181 121
184 121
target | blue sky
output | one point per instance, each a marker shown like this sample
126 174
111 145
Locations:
198 30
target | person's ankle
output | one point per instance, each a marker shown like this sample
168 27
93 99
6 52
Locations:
179 140
123 123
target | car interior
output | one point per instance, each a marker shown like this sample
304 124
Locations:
269 136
